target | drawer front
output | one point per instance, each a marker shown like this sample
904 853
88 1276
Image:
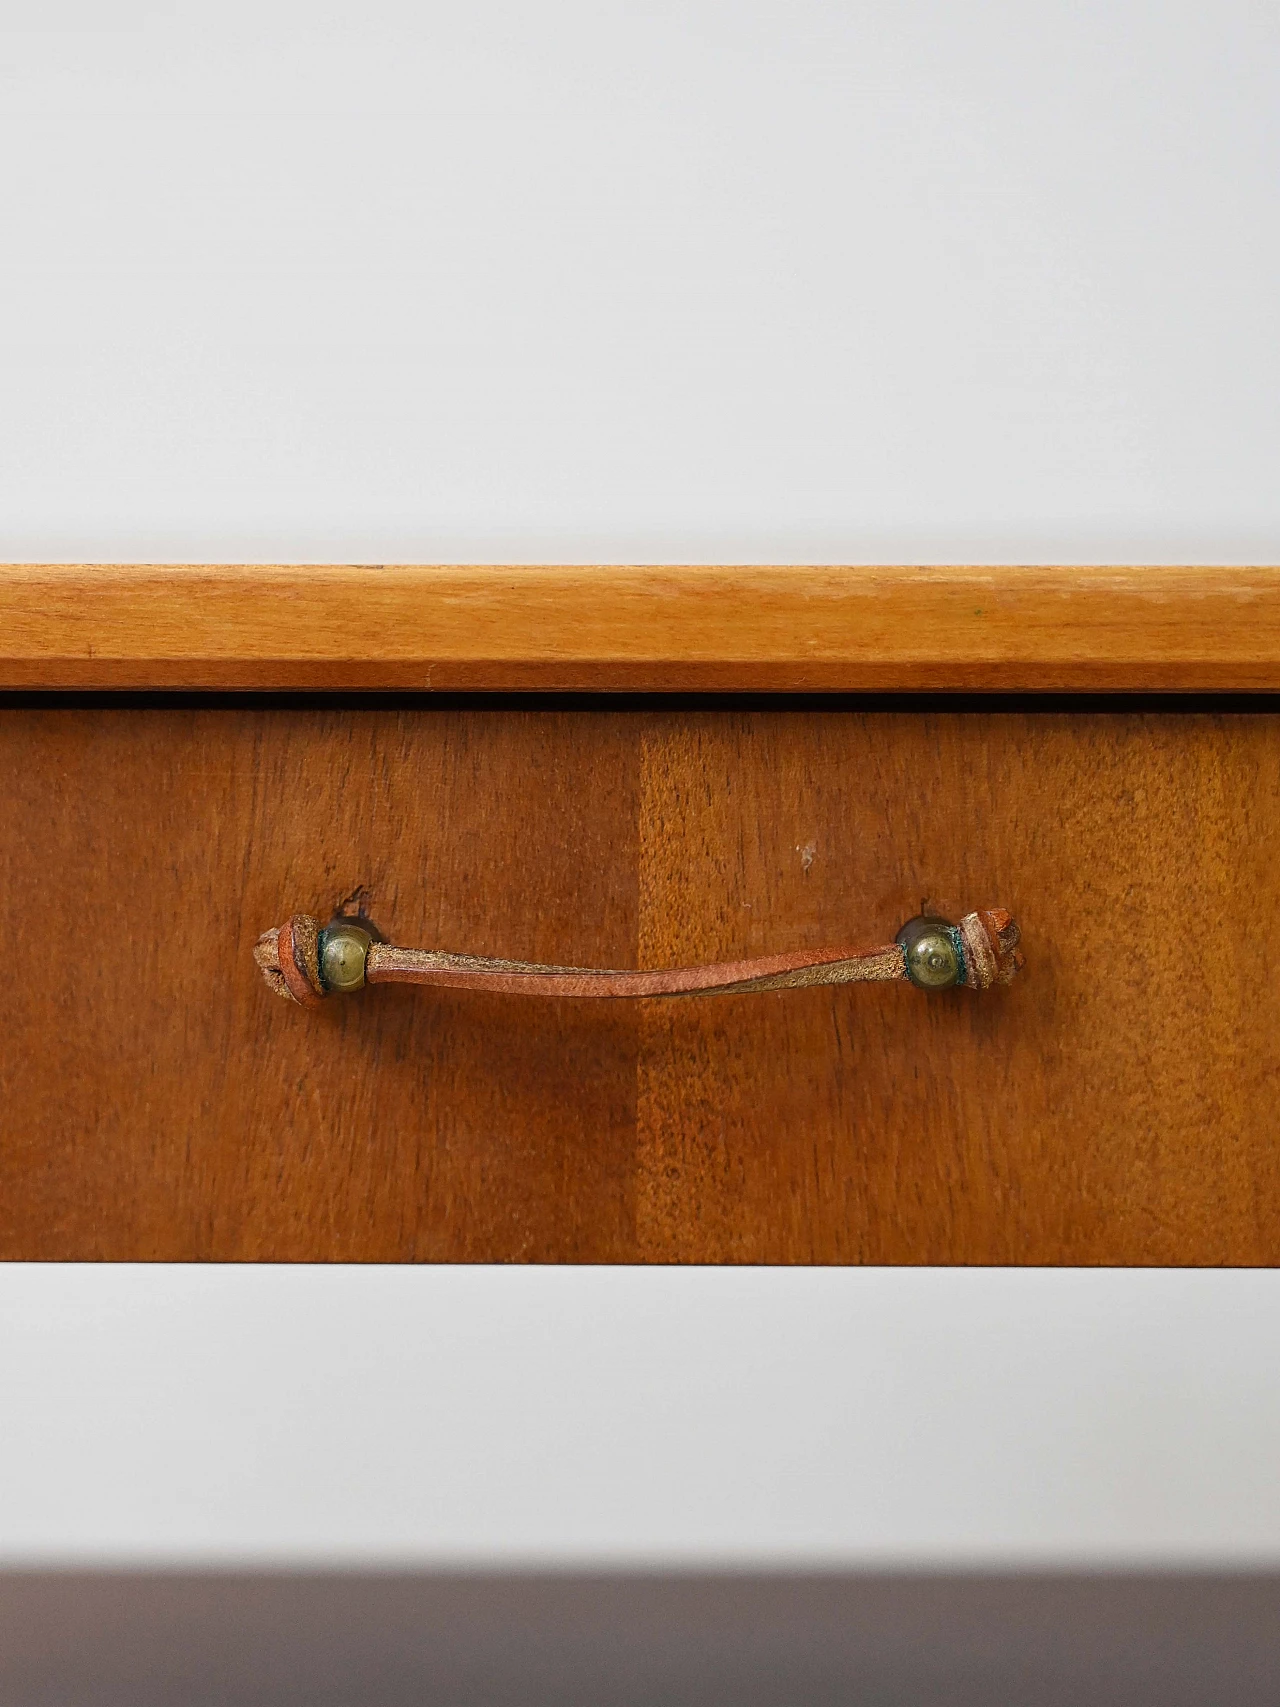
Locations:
1117 1104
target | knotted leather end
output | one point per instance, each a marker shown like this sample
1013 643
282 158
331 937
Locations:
990 948
289 960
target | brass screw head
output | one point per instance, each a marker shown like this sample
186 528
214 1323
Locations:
344 952
932 957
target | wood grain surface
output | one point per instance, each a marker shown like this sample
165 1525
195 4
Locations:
610 628
1118 1104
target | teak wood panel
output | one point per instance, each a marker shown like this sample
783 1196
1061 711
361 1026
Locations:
1117 1105
650 628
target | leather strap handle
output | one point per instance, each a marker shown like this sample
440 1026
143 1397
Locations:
304 963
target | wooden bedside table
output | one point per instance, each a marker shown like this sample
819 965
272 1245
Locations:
641 768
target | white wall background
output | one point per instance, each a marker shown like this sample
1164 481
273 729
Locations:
841 281
772 279
622 1416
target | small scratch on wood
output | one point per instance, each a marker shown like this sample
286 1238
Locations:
806 853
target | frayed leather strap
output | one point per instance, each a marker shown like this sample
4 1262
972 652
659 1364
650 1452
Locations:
292 962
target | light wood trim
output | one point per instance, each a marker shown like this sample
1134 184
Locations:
641 629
